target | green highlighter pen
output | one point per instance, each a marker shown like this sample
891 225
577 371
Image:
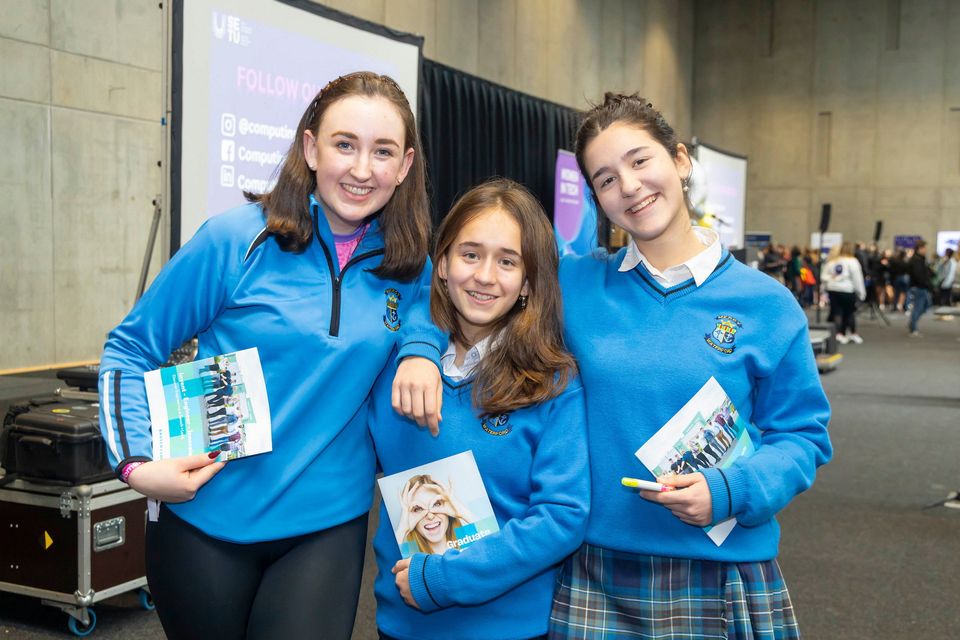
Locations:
644 485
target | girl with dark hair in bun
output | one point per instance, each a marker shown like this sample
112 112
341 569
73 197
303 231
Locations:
639 323
319 275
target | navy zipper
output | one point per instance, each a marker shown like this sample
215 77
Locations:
337 281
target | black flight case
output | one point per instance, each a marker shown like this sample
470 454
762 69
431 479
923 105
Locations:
73 534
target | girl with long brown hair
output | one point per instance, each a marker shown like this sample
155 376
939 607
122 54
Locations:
511 396
320 275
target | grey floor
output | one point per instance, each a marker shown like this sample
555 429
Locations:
863 556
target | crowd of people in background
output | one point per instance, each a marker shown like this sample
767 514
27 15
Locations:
908 281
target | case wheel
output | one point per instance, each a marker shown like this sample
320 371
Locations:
146 600
80 630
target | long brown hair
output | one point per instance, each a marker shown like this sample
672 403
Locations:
528 362
404 221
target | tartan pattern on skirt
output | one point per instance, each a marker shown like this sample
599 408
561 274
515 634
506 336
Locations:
606 594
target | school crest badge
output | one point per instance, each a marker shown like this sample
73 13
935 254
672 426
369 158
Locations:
497 425
724 334
391 319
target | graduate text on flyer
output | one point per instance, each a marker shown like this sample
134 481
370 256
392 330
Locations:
707 432
214 404
438 506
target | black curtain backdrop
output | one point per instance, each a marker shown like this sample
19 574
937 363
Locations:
473 130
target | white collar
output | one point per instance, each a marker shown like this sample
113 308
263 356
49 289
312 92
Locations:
470 361
699 266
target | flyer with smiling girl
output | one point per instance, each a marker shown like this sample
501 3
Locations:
438 506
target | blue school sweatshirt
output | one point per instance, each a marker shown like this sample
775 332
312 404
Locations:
533 463
323 333
644 351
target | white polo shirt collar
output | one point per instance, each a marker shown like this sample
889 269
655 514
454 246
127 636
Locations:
470 361
699 267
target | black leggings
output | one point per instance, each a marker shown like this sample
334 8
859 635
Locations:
301 587
843 308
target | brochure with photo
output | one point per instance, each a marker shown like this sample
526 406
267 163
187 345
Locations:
214 404
707 432
438 506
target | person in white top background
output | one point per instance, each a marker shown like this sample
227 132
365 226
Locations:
947 274
843 279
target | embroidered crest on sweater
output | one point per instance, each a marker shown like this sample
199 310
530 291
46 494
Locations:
497 425
724 334
391 319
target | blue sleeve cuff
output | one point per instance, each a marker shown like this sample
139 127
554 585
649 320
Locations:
425 581
720 496
416 346
124 416
728 492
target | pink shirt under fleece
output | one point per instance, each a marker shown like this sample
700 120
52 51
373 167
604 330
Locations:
346 244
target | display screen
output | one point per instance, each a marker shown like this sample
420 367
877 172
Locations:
244 72
947 240
720 198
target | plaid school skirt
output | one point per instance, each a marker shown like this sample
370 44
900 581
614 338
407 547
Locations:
605 594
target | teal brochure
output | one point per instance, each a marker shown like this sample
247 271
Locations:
215 404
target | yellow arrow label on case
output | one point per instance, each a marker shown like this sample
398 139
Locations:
47 541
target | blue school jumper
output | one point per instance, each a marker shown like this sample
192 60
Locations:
324 334
533 462
644 351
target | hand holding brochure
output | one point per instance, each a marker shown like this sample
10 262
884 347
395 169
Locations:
707 432
214 404
438 506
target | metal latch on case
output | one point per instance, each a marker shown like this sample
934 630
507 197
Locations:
109 533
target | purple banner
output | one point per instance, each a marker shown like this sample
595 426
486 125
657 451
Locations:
905 242
574 214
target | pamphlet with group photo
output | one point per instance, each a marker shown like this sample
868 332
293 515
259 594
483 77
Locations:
707 432
438 506
214 404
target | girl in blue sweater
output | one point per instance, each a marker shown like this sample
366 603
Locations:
511 397
319 275
649 326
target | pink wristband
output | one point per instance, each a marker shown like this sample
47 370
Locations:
127 470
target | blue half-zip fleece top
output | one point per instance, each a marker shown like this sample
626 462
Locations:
644 351
534 467
323 333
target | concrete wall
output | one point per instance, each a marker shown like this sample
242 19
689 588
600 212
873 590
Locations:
80 106
567 51
851 102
